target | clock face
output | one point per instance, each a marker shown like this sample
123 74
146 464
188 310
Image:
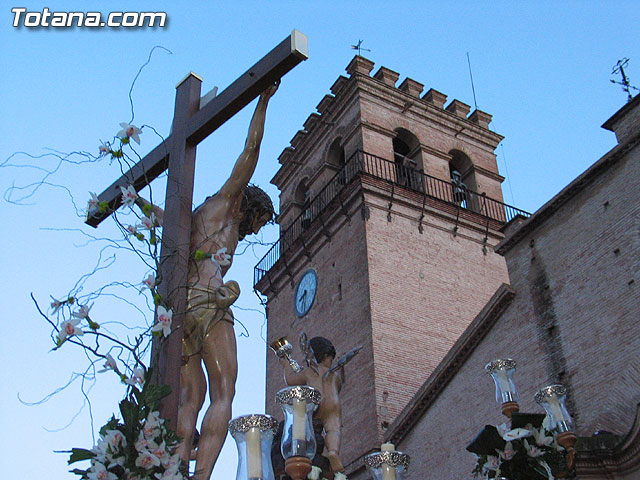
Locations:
305 293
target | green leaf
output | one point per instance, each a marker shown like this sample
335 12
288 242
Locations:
130 413
154 393
112 424
82 473
79 454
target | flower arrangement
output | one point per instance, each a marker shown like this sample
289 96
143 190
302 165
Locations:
139 447
526 450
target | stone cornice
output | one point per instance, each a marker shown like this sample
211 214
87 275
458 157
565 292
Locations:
567 193
320 125
487 173
428 111
451 364
405 96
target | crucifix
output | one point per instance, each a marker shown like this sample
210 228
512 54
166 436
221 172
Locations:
194 119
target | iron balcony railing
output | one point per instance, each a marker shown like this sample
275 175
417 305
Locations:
362 163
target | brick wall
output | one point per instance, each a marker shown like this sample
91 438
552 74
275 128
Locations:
574 320
340 313
425 289
403 295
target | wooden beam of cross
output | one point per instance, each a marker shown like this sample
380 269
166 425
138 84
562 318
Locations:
192 123
273 66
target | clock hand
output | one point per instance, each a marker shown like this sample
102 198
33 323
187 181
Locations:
302 297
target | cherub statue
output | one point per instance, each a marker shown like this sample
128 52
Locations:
237 210
328 380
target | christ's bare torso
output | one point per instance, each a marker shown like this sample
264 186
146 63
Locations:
214 226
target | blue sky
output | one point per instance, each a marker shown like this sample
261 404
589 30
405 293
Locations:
541 69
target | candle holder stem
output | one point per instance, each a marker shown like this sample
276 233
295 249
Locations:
297 467
510 407
568 440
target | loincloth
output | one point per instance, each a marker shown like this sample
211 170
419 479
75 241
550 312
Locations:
205 309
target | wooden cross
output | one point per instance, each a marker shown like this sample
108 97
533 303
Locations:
192 123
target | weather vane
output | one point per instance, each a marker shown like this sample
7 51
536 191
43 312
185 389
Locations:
619 68
359 47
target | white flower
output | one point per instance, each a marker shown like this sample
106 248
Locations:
508 451
104 148
150 281
221 258
514 434
101 452
314 474
68 328
143 443
93 203
171 473
147 460
110 364
115 439
174 462
149 222
100 472
532 450
541 437
83 312
152 426
492 463
137 378
56 304
161 453
132 230
129 131
164 321
129 195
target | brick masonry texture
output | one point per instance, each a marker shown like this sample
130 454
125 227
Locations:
404 296
574 320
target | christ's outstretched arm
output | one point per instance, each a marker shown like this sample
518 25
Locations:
246 163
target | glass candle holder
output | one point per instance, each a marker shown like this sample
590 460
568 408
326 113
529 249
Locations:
298 404
253 435
553 398
502 371
387 464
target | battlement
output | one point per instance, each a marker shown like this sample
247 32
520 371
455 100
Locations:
359 69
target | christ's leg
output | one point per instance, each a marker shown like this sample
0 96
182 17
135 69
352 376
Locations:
219 355
193 388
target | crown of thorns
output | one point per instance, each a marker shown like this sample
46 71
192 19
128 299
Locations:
255 204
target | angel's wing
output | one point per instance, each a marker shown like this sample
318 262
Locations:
309 357
346 358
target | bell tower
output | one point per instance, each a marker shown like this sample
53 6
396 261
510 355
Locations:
390 206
